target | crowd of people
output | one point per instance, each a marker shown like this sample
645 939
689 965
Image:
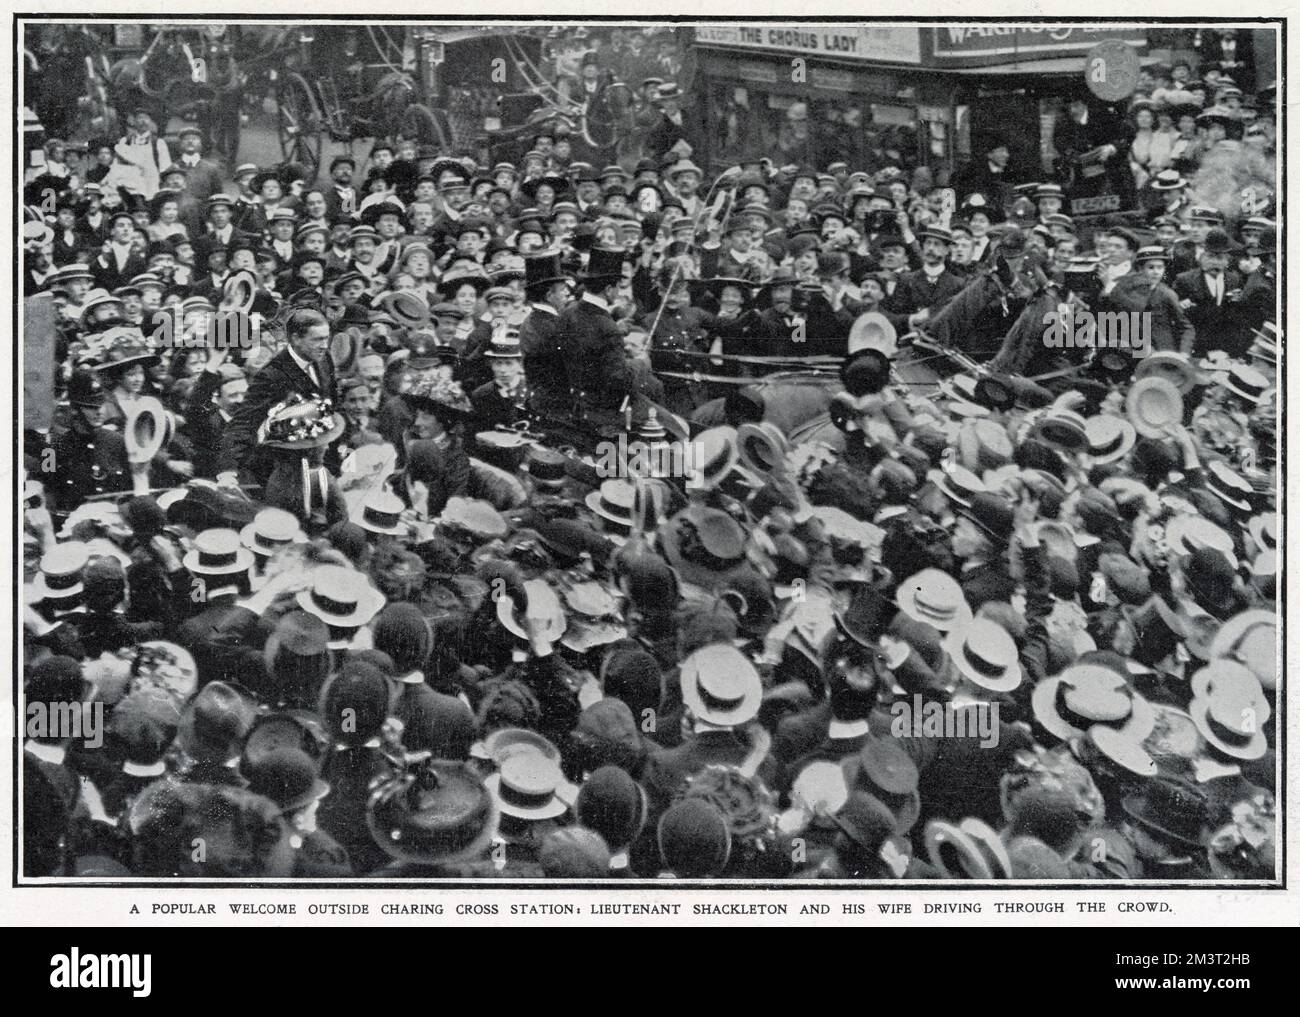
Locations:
574 521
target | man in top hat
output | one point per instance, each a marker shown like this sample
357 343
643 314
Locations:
1208 295
549 291
303 366
506 399
1188 250
341 198
88 459
595 361
203 176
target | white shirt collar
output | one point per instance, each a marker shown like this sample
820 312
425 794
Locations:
847 728
600 302
55 754
546 309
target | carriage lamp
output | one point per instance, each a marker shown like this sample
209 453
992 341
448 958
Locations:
351 43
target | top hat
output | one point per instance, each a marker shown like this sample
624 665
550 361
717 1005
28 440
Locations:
604 264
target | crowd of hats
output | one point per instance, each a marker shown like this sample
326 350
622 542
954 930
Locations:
639 676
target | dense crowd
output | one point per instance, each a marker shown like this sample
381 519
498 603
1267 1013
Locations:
435 519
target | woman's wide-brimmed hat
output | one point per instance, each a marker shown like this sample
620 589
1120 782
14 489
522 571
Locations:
705 545
300 423
436 812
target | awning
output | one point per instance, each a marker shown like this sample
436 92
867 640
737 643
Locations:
1056 65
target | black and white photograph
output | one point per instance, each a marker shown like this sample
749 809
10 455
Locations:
785 452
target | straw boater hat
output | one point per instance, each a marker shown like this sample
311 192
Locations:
218 552
613 504
543 612
270 530
1229 719
966 850
1247 383
381 514
1227 677
340 597
958 483
525 788
720 686
61 570
935 598
985 654
1263 530
1082 695
1153 404
1173 366
1109 438
1251 638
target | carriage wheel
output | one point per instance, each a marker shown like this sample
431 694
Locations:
421 125
299 122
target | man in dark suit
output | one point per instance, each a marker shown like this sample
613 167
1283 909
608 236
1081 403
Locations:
540 339
923 293
122 262
202 176
303 367
1258 302
341 198
1101 136
1208 294
594 358
214 400
986 175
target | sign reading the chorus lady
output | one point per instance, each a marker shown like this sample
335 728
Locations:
884 43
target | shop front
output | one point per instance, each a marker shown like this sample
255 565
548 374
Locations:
925 95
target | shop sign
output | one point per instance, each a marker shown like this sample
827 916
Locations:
884 43
979 45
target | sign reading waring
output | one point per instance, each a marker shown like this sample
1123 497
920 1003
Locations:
976 45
